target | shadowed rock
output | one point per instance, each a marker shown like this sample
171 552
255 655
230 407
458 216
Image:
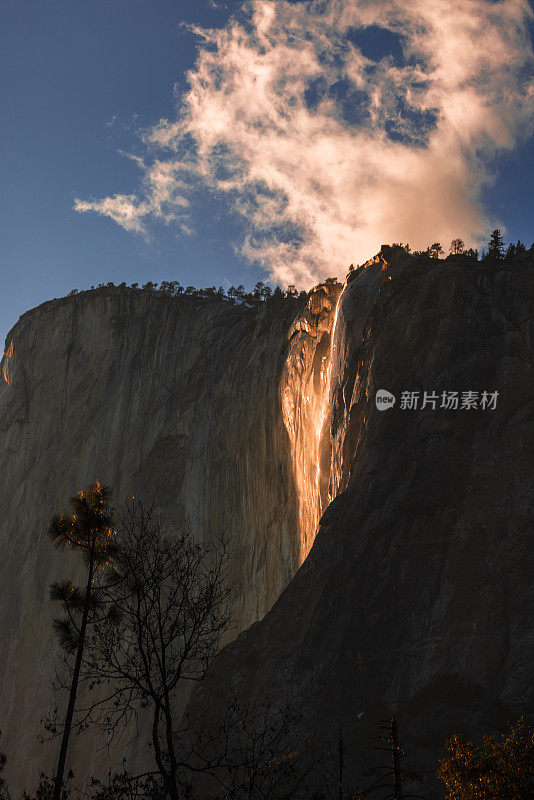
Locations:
416 597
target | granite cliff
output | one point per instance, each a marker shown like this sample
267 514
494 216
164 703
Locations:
414 598
176 399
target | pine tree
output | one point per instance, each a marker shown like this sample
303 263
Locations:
435 250
457 247
88 528
496 246
511 252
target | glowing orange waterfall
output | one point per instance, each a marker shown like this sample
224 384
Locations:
305 397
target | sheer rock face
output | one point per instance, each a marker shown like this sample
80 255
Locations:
416 596
175 399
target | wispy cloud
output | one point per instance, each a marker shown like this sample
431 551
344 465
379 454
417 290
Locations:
325 152
162 197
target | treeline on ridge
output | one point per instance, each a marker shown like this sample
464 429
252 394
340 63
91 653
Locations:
263 295
495 252
236 295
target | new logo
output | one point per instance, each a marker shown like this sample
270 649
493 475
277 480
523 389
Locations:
384 400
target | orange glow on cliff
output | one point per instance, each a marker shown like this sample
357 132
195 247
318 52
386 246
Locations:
305 397
326 383
8 355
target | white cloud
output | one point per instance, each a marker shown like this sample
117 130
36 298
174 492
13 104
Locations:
322 177
163 198
125 209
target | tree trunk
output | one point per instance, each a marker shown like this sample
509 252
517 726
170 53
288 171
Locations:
169 777
397 777
173 788
58 782
340 756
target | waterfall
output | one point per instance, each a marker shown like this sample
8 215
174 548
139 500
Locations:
306 406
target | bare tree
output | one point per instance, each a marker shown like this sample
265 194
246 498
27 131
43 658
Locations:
171 595
335 784
394 779
170 601
249 754
254 753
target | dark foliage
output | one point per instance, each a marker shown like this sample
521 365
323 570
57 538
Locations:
4 793
45 789
261 295
124 786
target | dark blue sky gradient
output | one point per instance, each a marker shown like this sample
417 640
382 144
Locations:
78 80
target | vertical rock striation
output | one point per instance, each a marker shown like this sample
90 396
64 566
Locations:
416 596
176 399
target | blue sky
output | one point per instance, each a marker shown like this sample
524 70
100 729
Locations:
81 81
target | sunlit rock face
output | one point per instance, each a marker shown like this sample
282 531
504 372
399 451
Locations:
415 599
305 394
177 399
